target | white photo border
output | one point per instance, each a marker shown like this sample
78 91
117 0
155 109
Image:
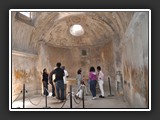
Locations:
77 10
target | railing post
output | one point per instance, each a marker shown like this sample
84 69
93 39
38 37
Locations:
23 95
45 92
70 96
83 96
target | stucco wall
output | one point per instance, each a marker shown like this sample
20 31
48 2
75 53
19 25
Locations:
24 72
135 61
21 36
108 67
73 60
127 53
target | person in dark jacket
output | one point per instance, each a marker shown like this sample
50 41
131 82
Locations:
59 73
45 82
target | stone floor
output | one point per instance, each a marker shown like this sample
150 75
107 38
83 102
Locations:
38 101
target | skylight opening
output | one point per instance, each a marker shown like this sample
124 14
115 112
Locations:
27 14
76 30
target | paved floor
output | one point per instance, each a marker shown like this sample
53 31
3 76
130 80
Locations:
38 101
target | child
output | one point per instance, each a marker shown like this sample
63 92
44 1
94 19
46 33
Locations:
79 77
80 90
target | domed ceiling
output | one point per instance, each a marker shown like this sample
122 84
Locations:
98 27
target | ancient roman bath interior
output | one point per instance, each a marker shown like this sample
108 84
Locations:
115 40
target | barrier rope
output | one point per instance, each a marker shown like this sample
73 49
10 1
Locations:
47 90
39 100
34 103
64 101
74 98
76 101
17 97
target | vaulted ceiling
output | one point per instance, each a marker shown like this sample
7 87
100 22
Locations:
54 29
99 27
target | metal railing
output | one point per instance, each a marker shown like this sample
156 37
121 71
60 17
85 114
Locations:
71 97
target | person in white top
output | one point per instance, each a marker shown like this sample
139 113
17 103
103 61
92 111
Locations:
100 81
65 80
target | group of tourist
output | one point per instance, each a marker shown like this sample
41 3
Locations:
59 75
93 78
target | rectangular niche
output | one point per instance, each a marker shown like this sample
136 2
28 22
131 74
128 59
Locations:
84 52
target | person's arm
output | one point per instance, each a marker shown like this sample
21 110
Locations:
63 73
101 75
43 79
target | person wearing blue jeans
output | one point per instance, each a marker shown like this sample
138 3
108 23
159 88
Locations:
59 73
93 88
60 88
93 81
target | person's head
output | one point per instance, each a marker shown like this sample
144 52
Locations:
98 68
58 64
82 82
92 69
79 71
44 70
63 67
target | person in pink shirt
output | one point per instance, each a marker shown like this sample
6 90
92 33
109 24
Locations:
93 81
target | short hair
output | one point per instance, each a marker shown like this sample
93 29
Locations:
58 64
44 69
98 68
92 69
79 71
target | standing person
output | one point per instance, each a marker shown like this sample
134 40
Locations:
93 81
59 73
79 77
51 82
45 81
100 81
66 75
